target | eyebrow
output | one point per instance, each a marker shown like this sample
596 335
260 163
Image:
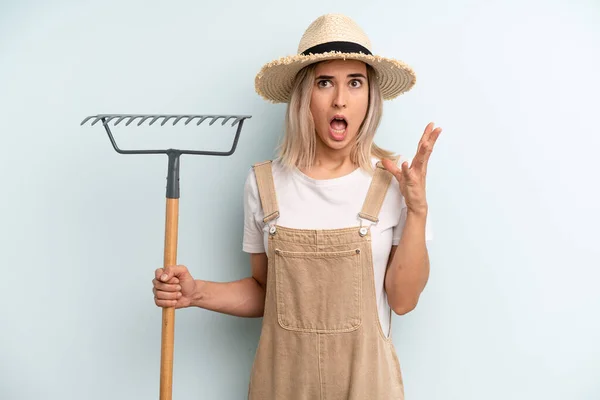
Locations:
357 75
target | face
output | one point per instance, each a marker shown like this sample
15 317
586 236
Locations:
339 102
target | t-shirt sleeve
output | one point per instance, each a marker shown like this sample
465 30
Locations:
253 233
399 228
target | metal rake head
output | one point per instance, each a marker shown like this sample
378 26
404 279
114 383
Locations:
173 154
118 118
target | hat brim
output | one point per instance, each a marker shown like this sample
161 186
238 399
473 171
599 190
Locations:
275 80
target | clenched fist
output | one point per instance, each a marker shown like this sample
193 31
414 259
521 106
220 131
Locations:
173 286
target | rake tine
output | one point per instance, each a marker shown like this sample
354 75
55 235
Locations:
86 120
226 119
155 118
180 117
166 119
98 118
143 119
238 119
214 119
119 120
131 119
203 118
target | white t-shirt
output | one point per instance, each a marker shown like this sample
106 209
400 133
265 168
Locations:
307 203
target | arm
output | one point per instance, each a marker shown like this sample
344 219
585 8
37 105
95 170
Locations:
408 266
175 287
242 298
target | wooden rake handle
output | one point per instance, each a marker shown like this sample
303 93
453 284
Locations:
168 313
170 258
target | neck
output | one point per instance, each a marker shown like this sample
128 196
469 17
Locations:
330 163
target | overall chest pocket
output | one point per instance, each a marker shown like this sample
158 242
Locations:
319 291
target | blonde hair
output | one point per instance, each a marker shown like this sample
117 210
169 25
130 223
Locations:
299 142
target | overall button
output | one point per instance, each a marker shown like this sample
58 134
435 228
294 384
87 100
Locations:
272 230
363 231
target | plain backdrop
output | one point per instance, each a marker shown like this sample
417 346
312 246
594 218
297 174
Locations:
512 308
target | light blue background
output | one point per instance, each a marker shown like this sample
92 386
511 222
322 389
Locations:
512 307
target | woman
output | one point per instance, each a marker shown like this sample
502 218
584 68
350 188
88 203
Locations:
335 228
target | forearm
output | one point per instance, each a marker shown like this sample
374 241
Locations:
242 298
408 271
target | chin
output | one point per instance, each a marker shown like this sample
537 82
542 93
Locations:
337 144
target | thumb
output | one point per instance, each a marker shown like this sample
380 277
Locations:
169 272
392 167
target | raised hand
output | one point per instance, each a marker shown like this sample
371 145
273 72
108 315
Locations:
412 179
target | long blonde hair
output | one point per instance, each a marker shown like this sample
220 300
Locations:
299 142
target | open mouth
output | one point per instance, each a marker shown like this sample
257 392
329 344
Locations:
338 125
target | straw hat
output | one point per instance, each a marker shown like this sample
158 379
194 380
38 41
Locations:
332 36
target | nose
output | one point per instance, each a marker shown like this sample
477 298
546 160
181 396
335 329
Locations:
340 99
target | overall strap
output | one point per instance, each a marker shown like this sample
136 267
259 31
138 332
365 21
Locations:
266 190
376 194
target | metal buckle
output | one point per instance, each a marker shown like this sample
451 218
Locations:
363 231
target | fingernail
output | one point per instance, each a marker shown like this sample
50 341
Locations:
178 287
164 277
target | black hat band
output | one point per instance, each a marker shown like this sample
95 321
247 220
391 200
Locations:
344 47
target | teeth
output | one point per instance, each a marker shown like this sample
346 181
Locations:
339 131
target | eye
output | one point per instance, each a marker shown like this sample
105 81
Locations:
355 83
323 83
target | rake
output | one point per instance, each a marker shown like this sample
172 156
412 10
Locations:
172 209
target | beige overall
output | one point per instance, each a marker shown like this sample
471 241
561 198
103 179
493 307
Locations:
321 337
